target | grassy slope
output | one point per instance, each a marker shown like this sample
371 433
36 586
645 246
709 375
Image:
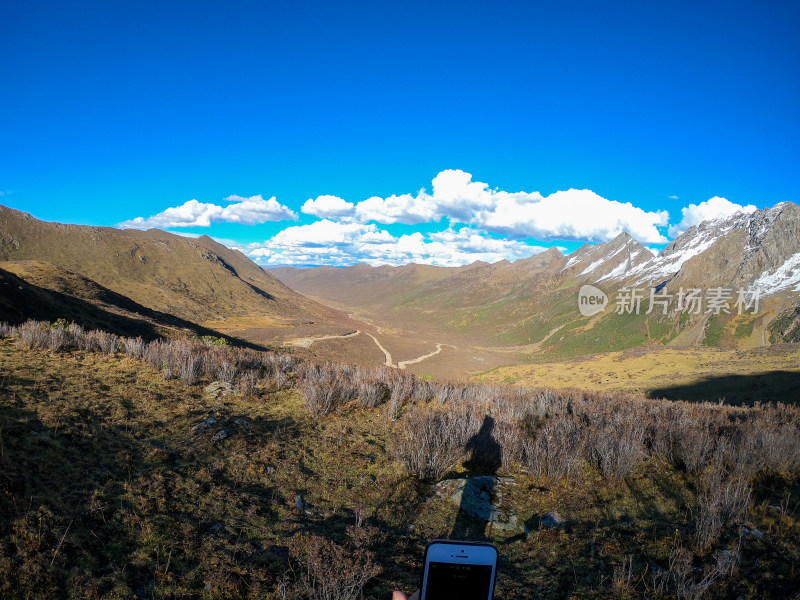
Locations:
106 491
194 279
38 290
695 374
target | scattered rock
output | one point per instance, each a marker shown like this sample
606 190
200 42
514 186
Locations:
216 527
203 425
216 389
299 502
553 519
241 422
220 435
754 532
480 498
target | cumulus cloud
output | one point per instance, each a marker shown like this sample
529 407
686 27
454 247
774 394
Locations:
713 208
329 207
334 243
460 198
570 214
247 211
477 222
406 209
255 209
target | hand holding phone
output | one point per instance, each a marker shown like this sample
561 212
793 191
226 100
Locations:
459 571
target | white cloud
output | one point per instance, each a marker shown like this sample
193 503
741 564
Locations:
480 223
328 207
248 211
458 197
406 209
713 208
328 242
255 209
674 197
571 214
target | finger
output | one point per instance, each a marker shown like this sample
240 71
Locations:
399 596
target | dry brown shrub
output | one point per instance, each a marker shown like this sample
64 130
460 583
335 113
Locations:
102 341
401 392
324 570
324 388
695 445
770 439
246 384
681 580
723 498
134 347
32 335
554 451
157 353
616 445
372 393
431 441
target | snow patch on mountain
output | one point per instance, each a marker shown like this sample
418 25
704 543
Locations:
764 220
672 258
617 272
593 266
784 277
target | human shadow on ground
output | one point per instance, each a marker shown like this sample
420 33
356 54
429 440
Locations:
475 510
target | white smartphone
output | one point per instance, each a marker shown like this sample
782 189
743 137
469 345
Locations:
459 571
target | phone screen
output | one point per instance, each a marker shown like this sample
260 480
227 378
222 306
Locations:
452 580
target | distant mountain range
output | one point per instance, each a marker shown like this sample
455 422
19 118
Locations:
153 283
534 301
151 276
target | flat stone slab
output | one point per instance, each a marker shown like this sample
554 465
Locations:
480 498
219 388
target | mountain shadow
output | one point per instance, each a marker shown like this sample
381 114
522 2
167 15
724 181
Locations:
772 386
104 309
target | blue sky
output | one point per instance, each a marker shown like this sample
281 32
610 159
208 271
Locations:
111 111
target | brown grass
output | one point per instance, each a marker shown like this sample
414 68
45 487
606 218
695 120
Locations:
115 482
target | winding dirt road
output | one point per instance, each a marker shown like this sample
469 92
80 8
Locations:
386 353
306 343
403 363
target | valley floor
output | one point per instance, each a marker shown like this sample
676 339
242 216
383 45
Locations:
770 373
694 374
